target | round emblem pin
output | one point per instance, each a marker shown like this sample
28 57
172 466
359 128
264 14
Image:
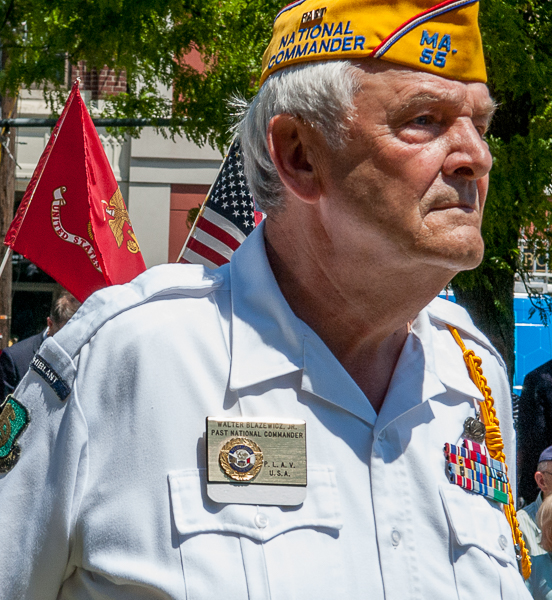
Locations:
241 459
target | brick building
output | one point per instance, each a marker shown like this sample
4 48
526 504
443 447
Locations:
99 84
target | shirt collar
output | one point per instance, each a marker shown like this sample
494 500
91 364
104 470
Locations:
269 341
266 337
415 379
324 376
450 367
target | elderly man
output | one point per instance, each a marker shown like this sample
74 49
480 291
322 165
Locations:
275 428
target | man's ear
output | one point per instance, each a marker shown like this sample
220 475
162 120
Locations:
294 147
541 482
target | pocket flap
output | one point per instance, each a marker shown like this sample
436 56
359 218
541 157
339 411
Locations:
476 522
194 512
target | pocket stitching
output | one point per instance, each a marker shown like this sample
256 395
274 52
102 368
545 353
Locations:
484 543
321 511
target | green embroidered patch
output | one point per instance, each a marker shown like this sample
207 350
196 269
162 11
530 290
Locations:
14 418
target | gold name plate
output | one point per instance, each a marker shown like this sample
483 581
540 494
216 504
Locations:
247 451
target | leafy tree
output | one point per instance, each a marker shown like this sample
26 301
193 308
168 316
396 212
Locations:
516 37
149 40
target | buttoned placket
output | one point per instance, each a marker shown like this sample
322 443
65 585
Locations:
281 345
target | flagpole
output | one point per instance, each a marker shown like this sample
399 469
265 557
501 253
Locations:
5 260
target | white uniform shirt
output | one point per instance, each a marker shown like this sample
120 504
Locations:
108 498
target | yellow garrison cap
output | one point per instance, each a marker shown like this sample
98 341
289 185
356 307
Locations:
437 37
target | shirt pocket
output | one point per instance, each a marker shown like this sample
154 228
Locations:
481 542
243 551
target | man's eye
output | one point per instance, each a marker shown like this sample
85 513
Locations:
422 120
482 131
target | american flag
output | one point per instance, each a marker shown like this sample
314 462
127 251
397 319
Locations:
226 217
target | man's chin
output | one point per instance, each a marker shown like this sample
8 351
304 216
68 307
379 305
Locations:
458 255
461 261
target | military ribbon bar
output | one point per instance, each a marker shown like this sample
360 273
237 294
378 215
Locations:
470 467
475 466
483 459
454 469
479 488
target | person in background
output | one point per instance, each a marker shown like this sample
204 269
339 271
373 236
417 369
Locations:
534 426
15 360
540 582
528 516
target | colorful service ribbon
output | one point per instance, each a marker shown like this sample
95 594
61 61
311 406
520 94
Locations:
470 467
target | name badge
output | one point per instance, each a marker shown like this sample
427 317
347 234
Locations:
256 461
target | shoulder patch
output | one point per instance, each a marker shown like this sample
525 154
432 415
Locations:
14 418
46 371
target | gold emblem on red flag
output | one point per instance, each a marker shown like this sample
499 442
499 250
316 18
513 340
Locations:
116 208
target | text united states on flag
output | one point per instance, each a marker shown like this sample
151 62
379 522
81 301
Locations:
226 218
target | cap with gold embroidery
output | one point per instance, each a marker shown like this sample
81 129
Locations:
441 38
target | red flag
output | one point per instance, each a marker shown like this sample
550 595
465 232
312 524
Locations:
72 221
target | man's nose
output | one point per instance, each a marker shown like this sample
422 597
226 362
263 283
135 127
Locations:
469 155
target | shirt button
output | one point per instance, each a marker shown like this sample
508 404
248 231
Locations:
381 436
503 542
261 521
395 537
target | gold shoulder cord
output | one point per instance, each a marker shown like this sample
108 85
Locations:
495 445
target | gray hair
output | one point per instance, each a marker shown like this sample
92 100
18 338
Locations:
320 93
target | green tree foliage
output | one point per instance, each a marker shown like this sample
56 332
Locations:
516 37
148 39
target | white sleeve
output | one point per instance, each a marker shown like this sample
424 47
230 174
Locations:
40 493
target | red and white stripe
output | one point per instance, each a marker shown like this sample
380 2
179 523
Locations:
416 21
212 241
289 7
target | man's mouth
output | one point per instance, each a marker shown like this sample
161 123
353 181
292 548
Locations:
468 208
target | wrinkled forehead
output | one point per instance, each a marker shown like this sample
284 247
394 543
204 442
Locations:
404 88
